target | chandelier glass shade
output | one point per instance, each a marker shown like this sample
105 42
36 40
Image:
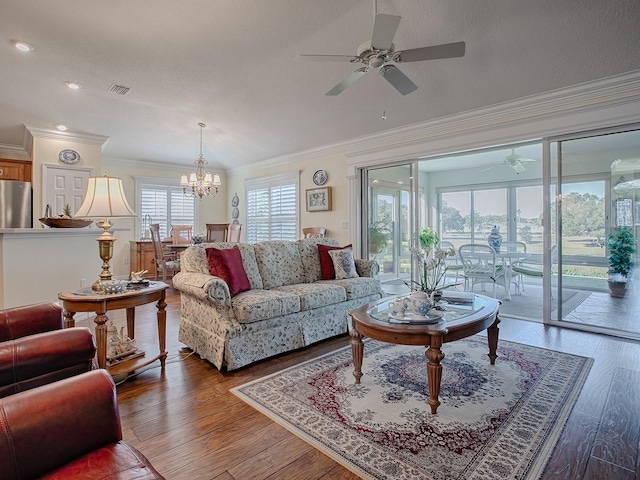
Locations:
200 183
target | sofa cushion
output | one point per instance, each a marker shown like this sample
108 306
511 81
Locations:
194 259
227 264
315 295
327 270
310 257
279 263
343 263
357 287
256 305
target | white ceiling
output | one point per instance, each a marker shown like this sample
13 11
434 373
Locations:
231 64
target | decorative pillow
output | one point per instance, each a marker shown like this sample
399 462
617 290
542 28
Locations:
343 263
226 263
326 264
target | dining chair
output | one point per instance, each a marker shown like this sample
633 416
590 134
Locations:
453 264
480 266
181 234
533 268
164 261
217 232
233 232
514 253
314 232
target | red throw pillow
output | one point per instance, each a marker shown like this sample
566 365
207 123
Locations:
327 272
226 263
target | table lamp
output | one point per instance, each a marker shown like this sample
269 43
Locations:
104 199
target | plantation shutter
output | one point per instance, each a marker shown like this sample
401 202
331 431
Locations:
165 204
272 208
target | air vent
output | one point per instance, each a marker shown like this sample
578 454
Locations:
119 89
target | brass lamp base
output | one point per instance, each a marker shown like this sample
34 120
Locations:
105 247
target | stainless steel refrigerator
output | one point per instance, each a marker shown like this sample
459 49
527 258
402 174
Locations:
15 204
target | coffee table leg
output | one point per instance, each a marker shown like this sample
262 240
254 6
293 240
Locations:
434 371
162 330
492 338
357 351
101 338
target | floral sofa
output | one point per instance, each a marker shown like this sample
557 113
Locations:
287 306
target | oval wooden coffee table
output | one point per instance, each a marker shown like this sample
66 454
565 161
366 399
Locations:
463 318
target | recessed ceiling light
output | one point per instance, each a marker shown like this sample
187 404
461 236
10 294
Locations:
23 46
73 85
61 127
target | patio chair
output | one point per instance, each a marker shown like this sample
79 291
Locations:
453 263
531 268
479 266
514 253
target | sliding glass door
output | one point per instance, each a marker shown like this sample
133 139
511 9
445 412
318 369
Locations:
596 193
390 221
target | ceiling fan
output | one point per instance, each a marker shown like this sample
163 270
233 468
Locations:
514 161
380 53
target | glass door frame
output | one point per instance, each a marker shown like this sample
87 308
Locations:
364 212
549 181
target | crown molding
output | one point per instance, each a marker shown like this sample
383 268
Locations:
154 165
75 137
13 152
616 91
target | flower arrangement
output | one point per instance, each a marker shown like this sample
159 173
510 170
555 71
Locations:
432 268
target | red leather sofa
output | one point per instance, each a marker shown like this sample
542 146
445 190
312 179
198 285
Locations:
68 429
36 350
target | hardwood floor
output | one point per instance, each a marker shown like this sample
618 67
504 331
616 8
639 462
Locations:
190 426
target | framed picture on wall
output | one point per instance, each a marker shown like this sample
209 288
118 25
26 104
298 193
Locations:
319 199
624 213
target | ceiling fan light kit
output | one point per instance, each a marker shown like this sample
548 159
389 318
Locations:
380 53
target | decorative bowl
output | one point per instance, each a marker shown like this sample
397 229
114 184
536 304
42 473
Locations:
65 222
113 286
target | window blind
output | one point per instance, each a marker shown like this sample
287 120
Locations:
165 204
272 208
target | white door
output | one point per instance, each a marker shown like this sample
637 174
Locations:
64 186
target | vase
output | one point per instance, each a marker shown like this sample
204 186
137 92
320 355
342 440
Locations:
495 239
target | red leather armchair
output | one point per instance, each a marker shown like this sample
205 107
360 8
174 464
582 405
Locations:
68 429
36 350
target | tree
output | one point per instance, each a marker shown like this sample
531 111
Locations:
582 214
452 221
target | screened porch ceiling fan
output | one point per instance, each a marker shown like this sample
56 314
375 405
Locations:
514 161
380 53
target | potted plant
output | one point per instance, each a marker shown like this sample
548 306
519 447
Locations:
621 246
378 237
428 237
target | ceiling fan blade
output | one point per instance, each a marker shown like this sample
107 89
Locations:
384 29
347 82
398 79
326 58
491 167
435 52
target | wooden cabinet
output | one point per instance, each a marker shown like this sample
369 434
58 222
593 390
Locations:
142 257
15 170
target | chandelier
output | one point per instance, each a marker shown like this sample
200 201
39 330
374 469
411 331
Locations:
199 183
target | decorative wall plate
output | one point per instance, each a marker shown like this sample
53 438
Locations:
69 156
235 200
320 177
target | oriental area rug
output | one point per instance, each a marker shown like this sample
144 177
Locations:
495 422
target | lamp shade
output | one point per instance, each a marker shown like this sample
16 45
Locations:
105 198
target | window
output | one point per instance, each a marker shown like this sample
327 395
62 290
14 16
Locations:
272 208
165 203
